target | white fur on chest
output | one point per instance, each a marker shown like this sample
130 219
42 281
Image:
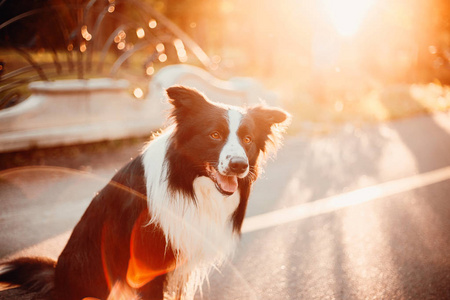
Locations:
214 217
200 233
205 238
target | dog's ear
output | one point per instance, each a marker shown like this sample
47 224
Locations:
266 116
184 97
271 123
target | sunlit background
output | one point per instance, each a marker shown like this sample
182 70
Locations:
328 60
359 60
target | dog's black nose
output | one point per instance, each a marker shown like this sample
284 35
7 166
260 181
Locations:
238 165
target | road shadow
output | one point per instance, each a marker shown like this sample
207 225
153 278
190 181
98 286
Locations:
417 225
431 149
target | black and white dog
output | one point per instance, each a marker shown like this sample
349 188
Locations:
169 215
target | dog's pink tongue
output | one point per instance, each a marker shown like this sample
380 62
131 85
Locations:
227 183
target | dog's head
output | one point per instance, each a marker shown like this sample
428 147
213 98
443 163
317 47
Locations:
221 142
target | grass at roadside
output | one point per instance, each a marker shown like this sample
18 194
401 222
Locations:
375 105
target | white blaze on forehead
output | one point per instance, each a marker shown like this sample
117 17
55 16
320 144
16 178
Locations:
232 147
234 120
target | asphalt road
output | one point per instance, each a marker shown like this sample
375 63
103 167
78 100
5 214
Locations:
361 213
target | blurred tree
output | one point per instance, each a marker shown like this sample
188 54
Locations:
23 33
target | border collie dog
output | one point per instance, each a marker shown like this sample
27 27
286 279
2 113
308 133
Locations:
167 217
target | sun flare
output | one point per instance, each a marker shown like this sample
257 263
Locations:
347 15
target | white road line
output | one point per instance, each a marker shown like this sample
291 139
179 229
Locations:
333 203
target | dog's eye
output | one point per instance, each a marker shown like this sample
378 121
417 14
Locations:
215 135
247 139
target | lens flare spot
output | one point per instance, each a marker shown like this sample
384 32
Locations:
121 46
140 33
85 33
152 23
143 268
150 70
83 47
181 51
162 57
138 93
122 35
160 47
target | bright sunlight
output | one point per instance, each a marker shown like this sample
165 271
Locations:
347 15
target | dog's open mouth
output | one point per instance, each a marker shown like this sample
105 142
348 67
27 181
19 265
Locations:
227 185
